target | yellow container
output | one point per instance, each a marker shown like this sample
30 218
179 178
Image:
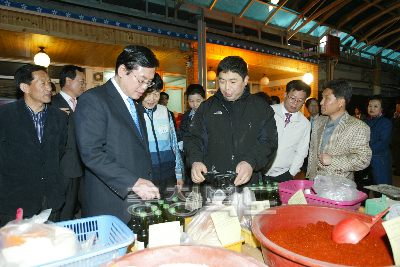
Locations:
250 239
236 246
187 220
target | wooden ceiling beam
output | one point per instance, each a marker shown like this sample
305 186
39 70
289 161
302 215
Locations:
245 8
314 16
212 4
376 40
327 15
359 10
389 44
281 4
372 18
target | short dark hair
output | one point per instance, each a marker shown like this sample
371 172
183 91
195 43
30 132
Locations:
383 100
298 85
70 72
234 64
158 86
276 99
53 87
340 88
264 96
308 102
134 56
164 93
24 74
193 89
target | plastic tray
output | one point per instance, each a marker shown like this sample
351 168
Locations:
289 188
113 234
250 239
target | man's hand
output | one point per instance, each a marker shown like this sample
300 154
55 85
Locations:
145 189
179 183
197 169
244 171
325 159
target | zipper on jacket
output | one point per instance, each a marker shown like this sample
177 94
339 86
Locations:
232 146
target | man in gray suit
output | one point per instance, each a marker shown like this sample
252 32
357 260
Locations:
73 83
112 137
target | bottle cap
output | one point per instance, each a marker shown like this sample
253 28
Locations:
175 199
268 185
269 188
161 202
260 183
276 183
148 204
154 208
261 187
158 212
253 189
172 210
166 206
143 214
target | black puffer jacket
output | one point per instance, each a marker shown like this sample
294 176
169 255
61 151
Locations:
225 133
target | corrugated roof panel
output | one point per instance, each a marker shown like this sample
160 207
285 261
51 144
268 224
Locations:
319 31
283 19
202 2
307 27
231 6
394 55
258 11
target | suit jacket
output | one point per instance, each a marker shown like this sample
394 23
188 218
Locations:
293 142
71 164
348 146
29 169
114 153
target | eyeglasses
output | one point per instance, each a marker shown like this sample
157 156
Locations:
292 98
144 82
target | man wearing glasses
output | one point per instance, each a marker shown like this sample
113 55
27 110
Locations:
112 137
73 83
293 133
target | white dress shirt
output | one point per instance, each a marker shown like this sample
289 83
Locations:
293 142
67 98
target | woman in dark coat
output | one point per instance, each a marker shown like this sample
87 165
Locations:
381 137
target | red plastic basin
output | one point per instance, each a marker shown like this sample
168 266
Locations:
294 216
195 254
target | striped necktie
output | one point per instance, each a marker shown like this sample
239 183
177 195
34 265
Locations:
134 115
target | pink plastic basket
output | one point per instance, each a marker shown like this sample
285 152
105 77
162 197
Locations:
289 188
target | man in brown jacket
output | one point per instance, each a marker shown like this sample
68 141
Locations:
339 142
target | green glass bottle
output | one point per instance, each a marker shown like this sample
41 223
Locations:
179 217
277 196
175 200
267 196
260 192
158 219
148 207
172 215
152 215
132 222
143 234
271 200
165 212
160 204
253 189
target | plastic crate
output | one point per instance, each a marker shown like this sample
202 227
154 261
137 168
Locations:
235 246
289 188
113 234
250 239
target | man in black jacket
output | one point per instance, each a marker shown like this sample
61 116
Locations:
73 83
32 142
232 130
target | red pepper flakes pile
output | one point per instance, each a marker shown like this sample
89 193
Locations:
315 241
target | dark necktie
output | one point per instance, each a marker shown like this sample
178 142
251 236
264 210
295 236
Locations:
288 115
134 115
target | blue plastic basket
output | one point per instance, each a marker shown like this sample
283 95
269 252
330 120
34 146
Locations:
113 234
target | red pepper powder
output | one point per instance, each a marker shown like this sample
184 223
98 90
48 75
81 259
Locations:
315 241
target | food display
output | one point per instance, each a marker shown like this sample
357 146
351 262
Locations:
314 241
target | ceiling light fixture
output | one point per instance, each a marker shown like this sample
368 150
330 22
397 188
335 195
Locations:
211 74
41 58
273 2
264 80
308 78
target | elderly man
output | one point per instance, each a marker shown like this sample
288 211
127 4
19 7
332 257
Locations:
233 130
339 142
293 133
112 137
33 136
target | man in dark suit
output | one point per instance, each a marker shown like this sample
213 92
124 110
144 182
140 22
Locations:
32 142
73 83
112 137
